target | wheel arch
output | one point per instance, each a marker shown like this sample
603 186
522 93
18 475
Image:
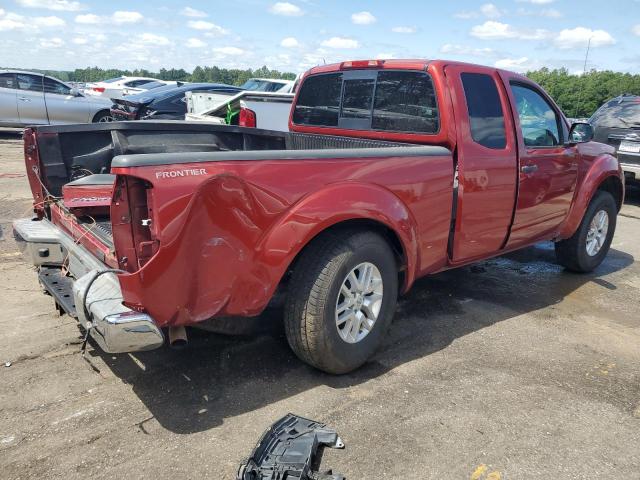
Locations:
99 113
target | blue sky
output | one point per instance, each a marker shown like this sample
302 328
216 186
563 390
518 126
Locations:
298 34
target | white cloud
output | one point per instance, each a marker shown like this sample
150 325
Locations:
289 42
545 12
59 5
153 39
452 49
211 29
225 51
80 41
195 43
521 64
89 19
340 42
48 22
636 30
192 12
363 18
465 15
11 21
404 29
579 38
287 9
122 16
54 42
492 30
489 10
384 56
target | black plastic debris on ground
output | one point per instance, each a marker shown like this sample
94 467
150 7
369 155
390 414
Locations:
291 449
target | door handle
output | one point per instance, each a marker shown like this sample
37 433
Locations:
24 99
529 168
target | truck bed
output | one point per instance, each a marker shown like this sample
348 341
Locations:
72 151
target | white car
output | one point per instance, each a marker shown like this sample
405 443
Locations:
116 87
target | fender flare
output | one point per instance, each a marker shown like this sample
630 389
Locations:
603 167
332 205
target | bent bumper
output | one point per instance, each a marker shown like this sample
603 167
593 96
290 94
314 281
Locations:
114 327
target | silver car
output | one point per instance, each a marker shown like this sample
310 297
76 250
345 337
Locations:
28 98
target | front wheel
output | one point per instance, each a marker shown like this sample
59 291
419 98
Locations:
342 296
103 117
586 249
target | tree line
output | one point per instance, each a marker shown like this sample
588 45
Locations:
577 95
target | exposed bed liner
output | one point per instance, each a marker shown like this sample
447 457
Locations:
68 150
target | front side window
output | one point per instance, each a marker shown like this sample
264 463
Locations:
387 100
53 86
29 82
486 118
538 121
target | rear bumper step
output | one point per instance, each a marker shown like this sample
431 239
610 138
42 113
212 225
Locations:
114 327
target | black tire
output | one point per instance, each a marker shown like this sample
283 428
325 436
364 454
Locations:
103 116
310 309
572 252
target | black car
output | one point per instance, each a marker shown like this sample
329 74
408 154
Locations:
617 123
162 103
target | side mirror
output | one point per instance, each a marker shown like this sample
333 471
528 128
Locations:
580 132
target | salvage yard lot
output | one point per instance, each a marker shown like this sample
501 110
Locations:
511 367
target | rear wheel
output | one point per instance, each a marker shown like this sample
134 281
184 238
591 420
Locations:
342 296
586 249
102 117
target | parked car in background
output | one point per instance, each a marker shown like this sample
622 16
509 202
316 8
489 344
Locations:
164 103
28 98
265 110
114 87
149 86
617 123
269 85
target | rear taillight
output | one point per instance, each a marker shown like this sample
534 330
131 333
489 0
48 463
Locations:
247 118
98 89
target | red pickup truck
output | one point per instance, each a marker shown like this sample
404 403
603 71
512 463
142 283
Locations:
392 170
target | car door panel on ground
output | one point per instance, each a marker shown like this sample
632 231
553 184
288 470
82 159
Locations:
62 106
487 163
32 109
548 166
8 100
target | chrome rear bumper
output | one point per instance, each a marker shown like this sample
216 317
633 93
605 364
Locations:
114 327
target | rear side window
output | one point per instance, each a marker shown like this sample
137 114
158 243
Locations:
393 101
7 80
29 82
486 117
319 101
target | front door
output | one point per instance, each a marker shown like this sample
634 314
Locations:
548 167
31 107
487 162
63 107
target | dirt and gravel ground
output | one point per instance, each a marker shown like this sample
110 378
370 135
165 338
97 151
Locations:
509 369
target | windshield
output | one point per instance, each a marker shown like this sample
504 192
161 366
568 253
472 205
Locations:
255 85
112 80
150 85
618 113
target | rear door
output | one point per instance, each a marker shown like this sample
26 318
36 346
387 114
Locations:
8 100
487 162
548 167
63 107
31 106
